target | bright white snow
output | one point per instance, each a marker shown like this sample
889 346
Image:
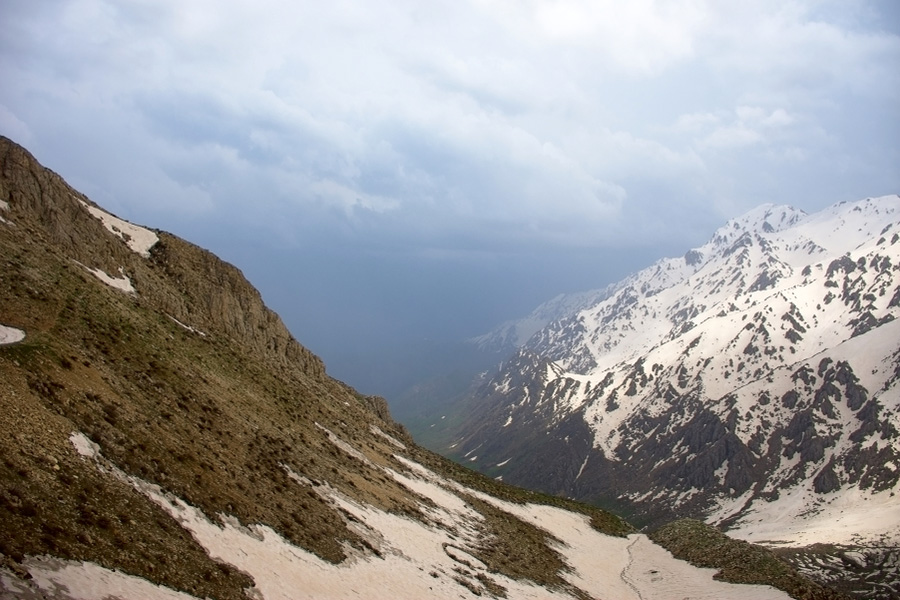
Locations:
10 335
188 327
139 239
732 320
377 431
122 283
801 518
84 446
626 568
417 560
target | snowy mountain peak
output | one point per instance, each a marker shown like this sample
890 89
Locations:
758 373
767 218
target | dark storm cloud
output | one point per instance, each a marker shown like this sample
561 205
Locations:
397 169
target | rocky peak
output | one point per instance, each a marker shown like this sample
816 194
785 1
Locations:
766 218
754 376
210 295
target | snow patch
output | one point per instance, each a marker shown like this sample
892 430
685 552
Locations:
122 283
377 431
10 335
626 568
84 446
344 445
583 465
137 238
416 559
655 574
87 581
188 327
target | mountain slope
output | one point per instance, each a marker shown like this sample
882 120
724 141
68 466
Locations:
757 375
163 436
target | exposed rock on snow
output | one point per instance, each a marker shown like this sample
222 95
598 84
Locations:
757 375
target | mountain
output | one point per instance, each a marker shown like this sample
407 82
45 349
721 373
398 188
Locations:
164 436
751 383
509 336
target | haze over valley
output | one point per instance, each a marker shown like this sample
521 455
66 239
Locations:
293 295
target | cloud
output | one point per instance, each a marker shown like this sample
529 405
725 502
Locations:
387 170
748 126
640 37
547 122
799 49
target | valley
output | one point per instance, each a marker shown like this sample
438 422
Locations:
165 436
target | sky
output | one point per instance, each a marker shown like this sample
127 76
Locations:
392 174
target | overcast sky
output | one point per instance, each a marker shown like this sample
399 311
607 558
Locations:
392 171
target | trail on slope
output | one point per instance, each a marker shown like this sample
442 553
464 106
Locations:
623 575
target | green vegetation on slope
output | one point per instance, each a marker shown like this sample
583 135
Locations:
738 561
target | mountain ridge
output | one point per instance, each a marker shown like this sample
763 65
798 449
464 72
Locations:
164 436
754 377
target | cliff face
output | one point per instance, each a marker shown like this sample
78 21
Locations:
166 358
184 281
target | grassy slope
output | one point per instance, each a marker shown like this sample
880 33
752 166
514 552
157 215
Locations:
737 561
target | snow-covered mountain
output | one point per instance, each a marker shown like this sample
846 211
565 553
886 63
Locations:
509 336
752 382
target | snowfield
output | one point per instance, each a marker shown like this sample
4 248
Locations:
139 239
848 516
418 560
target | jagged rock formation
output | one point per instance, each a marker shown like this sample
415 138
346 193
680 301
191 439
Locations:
753 382
756 375
163 436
